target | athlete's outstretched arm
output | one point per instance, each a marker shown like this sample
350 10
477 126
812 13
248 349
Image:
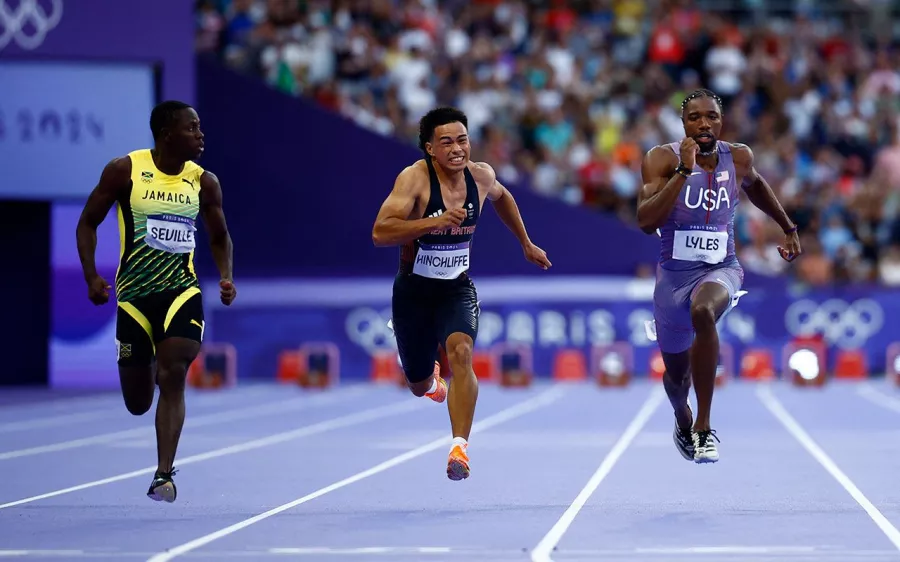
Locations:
761 195
508 211
113 182
757 188
660 189
506 207
392 225
219 238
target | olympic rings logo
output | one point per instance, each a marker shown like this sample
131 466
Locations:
368 328
28 24
847 325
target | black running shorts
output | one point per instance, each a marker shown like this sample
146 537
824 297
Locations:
143 322
425 312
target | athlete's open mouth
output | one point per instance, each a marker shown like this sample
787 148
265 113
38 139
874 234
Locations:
457 159
706 137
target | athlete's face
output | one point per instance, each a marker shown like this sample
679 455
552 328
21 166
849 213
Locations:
703 122
185 136
450 146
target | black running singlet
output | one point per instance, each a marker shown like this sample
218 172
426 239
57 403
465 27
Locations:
443 254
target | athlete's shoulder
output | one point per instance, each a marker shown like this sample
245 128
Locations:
662 152
139 156
140 159
206 177
736 146
740 152
122 162
665 148
139 153
414 175
116 178
417 167
191 168
482 172
121 166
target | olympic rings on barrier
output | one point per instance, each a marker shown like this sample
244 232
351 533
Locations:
368 328
847 325
28 15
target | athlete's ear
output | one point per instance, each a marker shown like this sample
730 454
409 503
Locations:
428 149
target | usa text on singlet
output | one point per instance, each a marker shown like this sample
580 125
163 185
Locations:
700 227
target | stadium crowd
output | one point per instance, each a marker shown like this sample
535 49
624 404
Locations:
565 97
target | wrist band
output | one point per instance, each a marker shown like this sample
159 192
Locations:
683 170
791 230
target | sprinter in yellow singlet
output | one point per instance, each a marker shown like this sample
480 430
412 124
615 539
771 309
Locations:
159 192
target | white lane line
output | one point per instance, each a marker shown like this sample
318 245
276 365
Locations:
258 410
503 416
320 427
544 548
765 395
878 398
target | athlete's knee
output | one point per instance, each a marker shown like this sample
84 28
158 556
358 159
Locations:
136 379
138 405
677 368
459 351
703 315
676 382
421 388
138 398
171 377
174 356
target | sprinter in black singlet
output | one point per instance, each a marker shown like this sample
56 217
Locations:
159 315
432 214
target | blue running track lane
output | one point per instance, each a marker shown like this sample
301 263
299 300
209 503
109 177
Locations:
559 473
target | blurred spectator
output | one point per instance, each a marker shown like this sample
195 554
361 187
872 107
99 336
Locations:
889 266
565 97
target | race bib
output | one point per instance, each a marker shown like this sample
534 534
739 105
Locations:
170 233
708 246
442 261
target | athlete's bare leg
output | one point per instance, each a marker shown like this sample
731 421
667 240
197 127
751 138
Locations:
708 305
421 388
461 401
138 386
433 386
174 356
464 390
677 382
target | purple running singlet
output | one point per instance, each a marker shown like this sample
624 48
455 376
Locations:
697 246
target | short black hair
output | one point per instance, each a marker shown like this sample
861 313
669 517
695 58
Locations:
434 119
702 93
163 115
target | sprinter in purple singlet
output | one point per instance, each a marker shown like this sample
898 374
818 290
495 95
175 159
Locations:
689 196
